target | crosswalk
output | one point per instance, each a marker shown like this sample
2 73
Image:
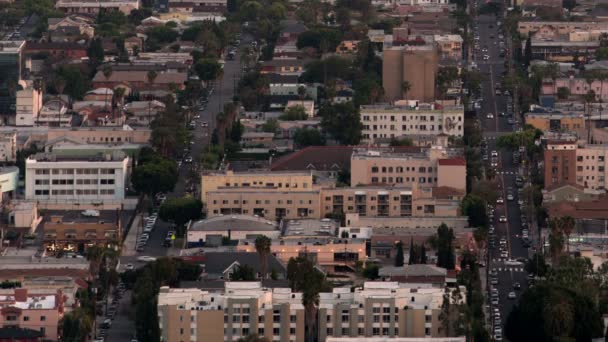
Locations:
506 172
510 269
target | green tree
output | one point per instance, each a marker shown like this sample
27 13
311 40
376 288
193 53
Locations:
601 53
262 246
75 81
181 210
445 247
563 93
294 113
399 258
271 125
371 271
537 265
76 325
404 141
474 207
405 88
207 69
308 137
342 121
95 51
243 273
154 177
253 338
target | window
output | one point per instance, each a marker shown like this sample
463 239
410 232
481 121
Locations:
26 318
292 331
276 331
376 331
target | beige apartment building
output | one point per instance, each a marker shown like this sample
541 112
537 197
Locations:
567 162
369 201
240 309
429 167
36 309
382 309
419 121
415 64
277 180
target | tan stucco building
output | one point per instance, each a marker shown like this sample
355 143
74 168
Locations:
387 309
415 64
430 167
102 135
559 122
369 201
278 181
241 309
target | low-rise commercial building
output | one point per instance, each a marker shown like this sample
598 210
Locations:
241 309
95 6
234 227
418 121
556 121
76 179
76 231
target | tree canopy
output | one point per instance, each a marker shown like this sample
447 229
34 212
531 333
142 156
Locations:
154 174
181 210
342 121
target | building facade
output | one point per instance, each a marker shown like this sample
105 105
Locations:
240 309
102 135
95 6
382 309
73 231
279 181
62 178
421 121
416 65
36 310
435 166
370 201
11 63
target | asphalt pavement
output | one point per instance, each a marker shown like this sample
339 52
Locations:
508 271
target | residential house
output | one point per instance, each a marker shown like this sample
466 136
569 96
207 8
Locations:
221 265
95 6
57 49
141 113
140 80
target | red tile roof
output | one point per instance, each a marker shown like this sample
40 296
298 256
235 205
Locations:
453 162
580 210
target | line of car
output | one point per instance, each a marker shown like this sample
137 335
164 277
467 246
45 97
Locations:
111 311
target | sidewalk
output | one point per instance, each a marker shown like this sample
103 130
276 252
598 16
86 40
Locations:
128 247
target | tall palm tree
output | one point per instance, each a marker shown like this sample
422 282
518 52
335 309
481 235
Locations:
119 94
262 246
302 94
405 88
151 76
310 300
568 224
94 254
107 71
556 239
589 99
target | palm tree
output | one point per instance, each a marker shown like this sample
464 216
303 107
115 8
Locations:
94 254
151 76
107 71
262 246
405 88
310 300
302 94
119 94
556 239
589 98
568 224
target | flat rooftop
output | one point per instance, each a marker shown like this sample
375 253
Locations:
40 302
235 223
93 157
77 216
310 227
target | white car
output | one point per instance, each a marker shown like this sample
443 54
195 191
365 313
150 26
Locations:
129 267
500 200
512 295
502 219
509 197
504 254
145 258
512 262
494 154
490 116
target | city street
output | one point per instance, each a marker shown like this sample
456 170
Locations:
509 270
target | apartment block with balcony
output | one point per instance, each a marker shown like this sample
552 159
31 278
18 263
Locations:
366 201
37 310
76 179
560 167
591 167
382 309
278 181
238 310
422 122
427 167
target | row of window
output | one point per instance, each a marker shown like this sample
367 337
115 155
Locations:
400 169
65 192
76 171
599 158
260 202
389 180
269 184
405 117
404 127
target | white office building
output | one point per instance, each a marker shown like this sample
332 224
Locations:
76 179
